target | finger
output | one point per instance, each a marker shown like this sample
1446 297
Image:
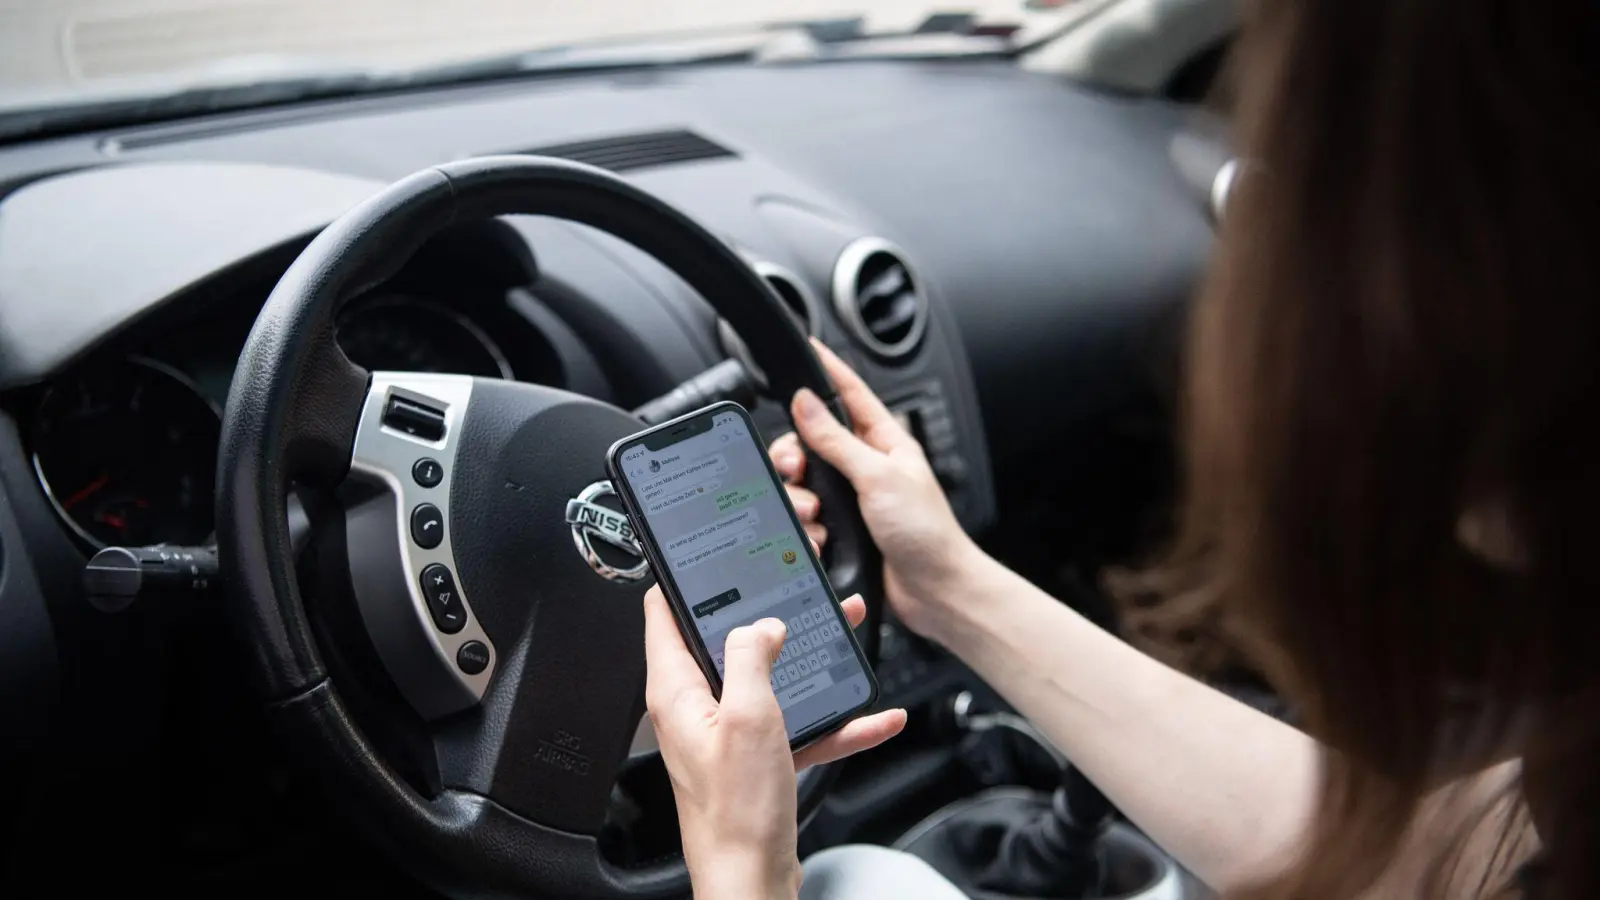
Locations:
855 610
862 734
818 533
806 504
871 419
831 440
789 458
747 658
674 684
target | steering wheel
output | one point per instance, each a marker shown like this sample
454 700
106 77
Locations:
461 499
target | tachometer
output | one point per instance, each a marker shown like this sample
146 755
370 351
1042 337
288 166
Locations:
409 334
128 455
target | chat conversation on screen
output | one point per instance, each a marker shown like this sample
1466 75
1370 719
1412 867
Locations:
713 550
736 497
712 539
780 550
695 473
675 496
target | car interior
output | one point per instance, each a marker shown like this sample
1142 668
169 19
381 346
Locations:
241 325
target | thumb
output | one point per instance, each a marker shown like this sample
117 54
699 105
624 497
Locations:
828 437
747 660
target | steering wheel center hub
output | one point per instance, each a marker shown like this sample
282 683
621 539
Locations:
569 695
596 524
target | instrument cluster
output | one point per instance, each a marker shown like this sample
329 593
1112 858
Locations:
126 450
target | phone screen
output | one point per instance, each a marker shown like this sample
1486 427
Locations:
730 545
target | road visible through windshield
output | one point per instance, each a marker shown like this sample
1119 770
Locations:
66 47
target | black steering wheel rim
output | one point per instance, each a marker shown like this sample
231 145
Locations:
292 417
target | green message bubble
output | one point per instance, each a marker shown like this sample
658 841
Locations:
781 549
735 497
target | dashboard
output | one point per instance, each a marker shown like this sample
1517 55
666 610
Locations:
1001 254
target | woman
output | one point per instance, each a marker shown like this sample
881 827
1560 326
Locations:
1392 483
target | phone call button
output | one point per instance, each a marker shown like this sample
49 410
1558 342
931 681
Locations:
427 526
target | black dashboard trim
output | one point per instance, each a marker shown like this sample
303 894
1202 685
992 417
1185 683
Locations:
151 231
29 690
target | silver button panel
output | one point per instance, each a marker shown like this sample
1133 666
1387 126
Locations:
386 562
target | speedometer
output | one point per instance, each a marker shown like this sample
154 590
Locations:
128 454
410 334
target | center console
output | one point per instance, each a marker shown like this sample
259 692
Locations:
923 411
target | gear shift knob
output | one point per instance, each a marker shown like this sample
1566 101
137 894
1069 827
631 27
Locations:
1083 804
1056 853
1011 843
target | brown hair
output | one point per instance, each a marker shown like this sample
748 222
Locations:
1393 479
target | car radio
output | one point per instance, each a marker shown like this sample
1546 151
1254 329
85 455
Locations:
923 412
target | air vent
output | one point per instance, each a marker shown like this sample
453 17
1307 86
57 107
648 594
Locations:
878 298
796 298
627 152
1222 187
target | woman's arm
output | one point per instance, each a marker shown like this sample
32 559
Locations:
1225 789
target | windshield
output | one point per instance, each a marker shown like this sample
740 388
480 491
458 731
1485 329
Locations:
64 52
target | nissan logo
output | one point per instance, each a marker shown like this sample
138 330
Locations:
593 522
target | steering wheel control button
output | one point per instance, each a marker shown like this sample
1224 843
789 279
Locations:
427 526
473 657
416 419
427 472
444 600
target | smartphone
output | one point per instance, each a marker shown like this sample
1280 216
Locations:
728 550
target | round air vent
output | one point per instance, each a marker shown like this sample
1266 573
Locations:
1222 187
797 299
879 299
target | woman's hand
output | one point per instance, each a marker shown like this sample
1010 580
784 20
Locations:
731 769
923 545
